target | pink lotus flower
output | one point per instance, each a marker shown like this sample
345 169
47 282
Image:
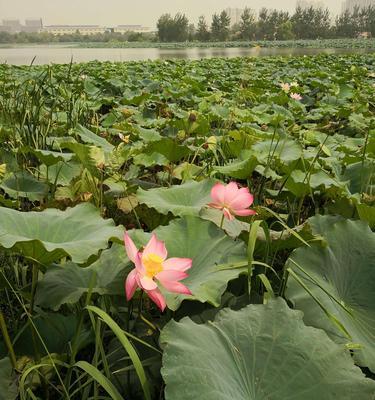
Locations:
151 264
232 200
296 96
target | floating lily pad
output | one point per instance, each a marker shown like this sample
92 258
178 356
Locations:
65 284
345 270
94 139
49 157
47 236
23 184
185 199
260 352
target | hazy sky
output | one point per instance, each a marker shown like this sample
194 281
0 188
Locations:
115 12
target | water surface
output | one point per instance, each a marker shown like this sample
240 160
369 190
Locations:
62 54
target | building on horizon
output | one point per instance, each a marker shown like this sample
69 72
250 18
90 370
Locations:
72 29
15 26
11 26
33 25
93 29
305 4
350 4
234 15
131 28
36 25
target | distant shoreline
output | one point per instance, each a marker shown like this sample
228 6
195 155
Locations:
324 43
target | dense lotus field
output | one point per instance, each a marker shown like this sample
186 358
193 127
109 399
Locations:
188 230
317 43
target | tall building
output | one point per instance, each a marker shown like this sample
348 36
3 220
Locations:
350 4
234 15
33 25
15 26
304 4
11 25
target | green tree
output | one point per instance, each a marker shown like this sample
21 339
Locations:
173 29
180 28
263 31
344 26
322 23
220 26
247 25
164 26
273 24
317 19
285 31
216 27
225 25
191 32
202 33
300 20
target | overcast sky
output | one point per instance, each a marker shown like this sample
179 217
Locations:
116 12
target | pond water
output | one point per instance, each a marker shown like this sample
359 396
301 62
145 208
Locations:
63 54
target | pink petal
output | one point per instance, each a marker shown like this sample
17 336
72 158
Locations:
176 287
231 191
131 284
155 246
130 248
178 264
138 263
218 193
215 205
243 200
244 213
147 283
170 275
157 298
227 214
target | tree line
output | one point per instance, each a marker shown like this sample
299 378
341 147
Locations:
269 24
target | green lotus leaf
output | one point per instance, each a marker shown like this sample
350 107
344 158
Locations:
23 184
213 254
285 149
185 199
149 160
239 168
92 138
65 284
148 135
47 236
186 171
61 173
341 277
91 157
7 382
361 177
233 228
262 352
366 213
169 149
300 183
48 157
56 330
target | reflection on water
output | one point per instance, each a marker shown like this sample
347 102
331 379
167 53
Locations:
58 54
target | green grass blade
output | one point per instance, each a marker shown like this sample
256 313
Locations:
103 381
127 346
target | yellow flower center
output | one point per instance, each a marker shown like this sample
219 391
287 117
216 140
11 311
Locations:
153 264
